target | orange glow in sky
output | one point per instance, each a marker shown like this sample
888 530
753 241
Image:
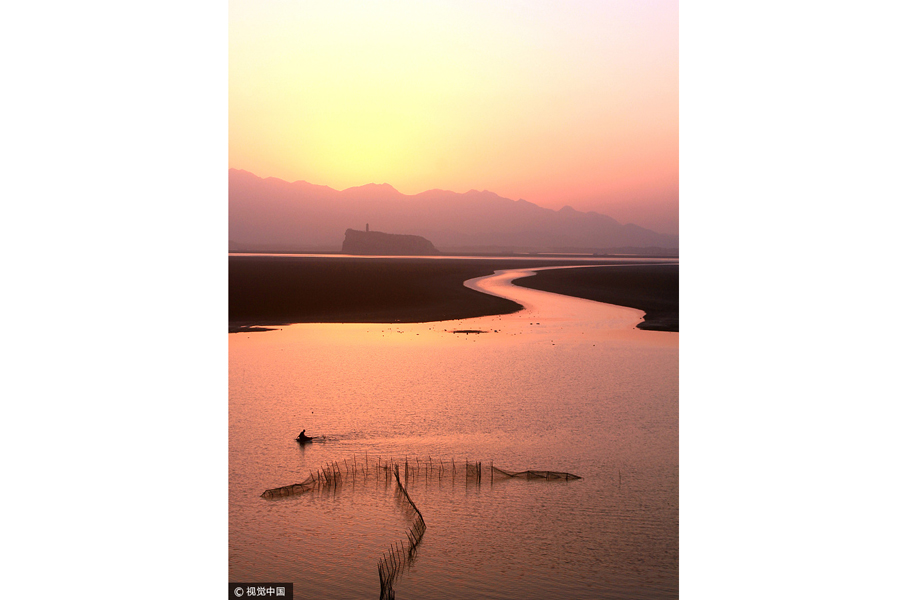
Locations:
555 102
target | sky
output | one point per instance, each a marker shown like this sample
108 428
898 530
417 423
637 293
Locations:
558 103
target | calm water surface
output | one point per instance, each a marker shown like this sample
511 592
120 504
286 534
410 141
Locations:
565 385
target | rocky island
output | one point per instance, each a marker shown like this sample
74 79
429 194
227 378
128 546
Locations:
386 244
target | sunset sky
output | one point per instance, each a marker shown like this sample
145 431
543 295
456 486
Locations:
555 102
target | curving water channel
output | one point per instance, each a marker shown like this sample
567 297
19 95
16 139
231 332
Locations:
566 385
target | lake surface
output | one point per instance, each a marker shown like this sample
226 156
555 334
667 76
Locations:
565 385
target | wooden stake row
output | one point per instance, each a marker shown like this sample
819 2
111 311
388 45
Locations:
334 474
400 555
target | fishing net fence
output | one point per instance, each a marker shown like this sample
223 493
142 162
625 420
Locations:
401 554
336 473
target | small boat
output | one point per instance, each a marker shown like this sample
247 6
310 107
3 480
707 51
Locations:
303 438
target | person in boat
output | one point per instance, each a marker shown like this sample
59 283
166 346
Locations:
303 437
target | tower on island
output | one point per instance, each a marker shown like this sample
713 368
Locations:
367 228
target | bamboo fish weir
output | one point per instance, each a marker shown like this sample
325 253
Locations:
337 472
395 560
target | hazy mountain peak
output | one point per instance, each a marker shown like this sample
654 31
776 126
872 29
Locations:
242 176
373 191
374 186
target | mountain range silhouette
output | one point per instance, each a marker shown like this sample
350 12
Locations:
273 214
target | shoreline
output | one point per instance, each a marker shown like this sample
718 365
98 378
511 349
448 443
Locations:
266 292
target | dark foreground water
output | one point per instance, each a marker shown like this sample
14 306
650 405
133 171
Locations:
566 385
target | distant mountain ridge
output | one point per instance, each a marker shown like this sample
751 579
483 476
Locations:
301 216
